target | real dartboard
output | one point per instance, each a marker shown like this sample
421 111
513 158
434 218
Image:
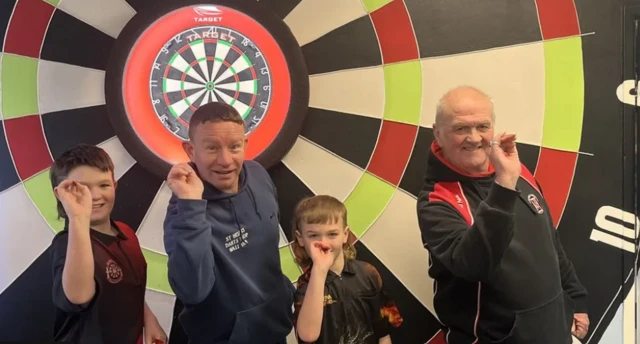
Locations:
180 55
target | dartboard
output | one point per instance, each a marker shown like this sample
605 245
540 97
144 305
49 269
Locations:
191 54
338 98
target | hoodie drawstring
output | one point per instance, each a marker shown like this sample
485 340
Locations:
255 204
235 215
255 207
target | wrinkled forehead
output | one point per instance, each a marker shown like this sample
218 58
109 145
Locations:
471 120
470 113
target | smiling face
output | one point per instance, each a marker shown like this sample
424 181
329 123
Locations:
102 188
465 129
217 148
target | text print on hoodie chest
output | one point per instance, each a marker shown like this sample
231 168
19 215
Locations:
241 223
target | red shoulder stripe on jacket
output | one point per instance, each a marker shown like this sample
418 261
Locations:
528 176
452 193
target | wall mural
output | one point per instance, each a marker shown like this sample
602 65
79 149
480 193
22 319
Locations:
339 97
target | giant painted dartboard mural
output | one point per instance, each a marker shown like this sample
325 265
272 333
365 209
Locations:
339 98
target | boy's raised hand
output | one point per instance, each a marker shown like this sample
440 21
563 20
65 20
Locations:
321 255
75 198
184 182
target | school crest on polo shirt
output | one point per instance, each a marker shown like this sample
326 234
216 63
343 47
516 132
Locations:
114 272
533 200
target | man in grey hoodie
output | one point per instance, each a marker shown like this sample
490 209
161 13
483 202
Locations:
221 235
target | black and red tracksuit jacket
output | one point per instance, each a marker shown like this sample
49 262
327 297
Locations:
500 273
116 312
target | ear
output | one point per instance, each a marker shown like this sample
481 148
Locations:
299 238
187 146
346 234
246 142
115 184
436 133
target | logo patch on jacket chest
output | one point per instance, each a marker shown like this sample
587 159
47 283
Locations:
535 204
114 272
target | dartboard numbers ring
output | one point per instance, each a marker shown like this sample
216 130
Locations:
179 55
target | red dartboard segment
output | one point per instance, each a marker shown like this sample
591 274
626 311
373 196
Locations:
555 174
393 150
135 91
27 28
395 33
558 18
27 145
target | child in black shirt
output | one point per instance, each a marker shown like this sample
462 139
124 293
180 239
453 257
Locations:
99 272
339 300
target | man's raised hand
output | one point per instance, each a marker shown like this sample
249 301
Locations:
184 182
504 158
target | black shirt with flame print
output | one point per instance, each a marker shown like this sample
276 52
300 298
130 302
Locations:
357 309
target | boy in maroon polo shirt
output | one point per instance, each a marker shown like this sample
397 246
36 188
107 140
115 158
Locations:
99 272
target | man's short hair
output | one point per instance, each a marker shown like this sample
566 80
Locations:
214 112
79 155
442 102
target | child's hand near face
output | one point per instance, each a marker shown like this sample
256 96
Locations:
75 198
322 256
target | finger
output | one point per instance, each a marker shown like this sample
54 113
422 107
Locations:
65 183
177 173
82 189
508 137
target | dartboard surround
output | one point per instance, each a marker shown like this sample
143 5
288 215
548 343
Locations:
194 54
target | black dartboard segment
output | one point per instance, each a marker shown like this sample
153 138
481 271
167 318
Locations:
37 282
173 57
6 8
94 123
353 45
290 191
281 7
444 28
134 194
8 175
413 176
337 132
62 42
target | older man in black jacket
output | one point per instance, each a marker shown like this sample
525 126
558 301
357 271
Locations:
501 274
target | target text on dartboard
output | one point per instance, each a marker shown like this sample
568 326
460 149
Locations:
616 228
210 33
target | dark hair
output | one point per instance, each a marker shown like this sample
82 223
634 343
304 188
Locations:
320 209
214 112
79 155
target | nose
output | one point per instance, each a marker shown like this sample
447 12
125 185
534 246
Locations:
474 136
95 194
224 158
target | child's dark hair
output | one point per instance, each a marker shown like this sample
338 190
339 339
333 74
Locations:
213 112
321 209
79 155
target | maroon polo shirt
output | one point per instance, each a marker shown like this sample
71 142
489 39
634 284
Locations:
116 312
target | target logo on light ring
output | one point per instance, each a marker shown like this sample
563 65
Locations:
178 56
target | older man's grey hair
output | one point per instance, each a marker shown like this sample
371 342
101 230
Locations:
441 107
